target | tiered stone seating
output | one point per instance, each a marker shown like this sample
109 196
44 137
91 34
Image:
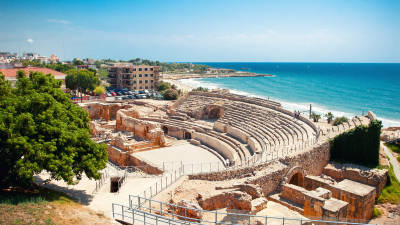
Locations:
263 121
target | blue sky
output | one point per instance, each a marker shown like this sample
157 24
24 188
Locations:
207 30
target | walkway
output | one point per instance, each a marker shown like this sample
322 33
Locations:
393 161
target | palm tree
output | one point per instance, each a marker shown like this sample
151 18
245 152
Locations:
329 116
315 117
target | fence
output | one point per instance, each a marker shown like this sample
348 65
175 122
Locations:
99 183
163 182
169 212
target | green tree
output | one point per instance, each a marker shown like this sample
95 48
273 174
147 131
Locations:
315 117
42 130
102 73
77 62
99 90
81 81
329 116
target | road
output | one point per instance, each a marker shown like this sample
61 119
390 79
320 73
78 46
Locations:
393 161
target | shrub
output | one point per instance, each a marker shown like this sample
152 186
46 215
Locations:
359 145
340 120
99 90
170 94
393 147
162 86
201 89
376 212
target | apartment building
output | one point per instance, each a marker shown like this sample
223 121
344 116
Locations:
133 77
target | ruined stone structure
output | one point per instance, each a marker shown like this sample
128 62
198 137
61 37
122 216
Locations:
268 153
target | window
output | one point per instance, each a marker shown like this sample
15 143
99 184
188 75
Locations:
140 69
152 81
147 87
134 69
146 75
140 75
145 69
146 81
151 69
134 81
140 81
134 75
152 75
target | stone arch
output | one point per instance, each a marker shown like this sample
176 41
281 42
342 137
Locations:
295 176
165 129
213 112
187 135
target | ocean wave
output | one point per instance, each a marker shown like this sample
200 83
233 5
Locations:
303 107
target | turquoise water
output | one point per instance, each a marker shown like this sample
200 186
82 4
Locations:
342 88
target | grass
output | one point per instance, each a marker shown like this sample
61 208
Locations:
391 192
44 206
393 147
30 206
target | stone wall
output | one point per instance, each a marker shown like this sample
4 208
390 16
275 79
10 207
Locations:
144 129
373 177
124 159
270 175
106 111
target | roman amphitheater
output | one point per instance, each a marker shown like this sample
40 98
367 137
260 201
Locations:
221 158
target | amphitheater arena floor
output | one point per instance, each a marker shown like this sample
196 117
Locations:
182 151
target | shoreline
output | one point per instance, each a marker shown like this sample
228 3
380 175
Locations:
181 84
177 76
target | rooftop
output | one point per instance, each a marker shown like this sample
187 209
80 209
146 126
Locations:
11 73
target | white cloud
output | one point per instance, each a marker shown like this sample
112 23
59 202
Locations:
29 40
58 21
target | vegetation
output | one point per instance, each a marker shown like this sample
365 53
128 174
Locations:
170 94
201 89
376 212
315 117
162 86
43 206
54 66
359 145
391 192
172 67
81 81
99 90
41 129
340 120
329 117
102 73
393 147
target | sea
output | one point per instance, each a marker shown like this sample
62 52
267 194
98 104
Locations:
345 89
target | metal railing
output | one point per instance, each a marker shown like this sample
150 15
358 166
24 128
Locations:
103 179
181 215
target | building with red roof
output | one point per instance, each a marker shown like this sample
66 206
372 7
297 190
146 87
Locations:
11 73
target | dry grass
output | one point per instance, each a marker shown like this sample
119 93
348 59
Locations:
42 206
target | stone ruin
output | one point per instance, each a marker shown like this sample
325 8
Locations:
271 155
